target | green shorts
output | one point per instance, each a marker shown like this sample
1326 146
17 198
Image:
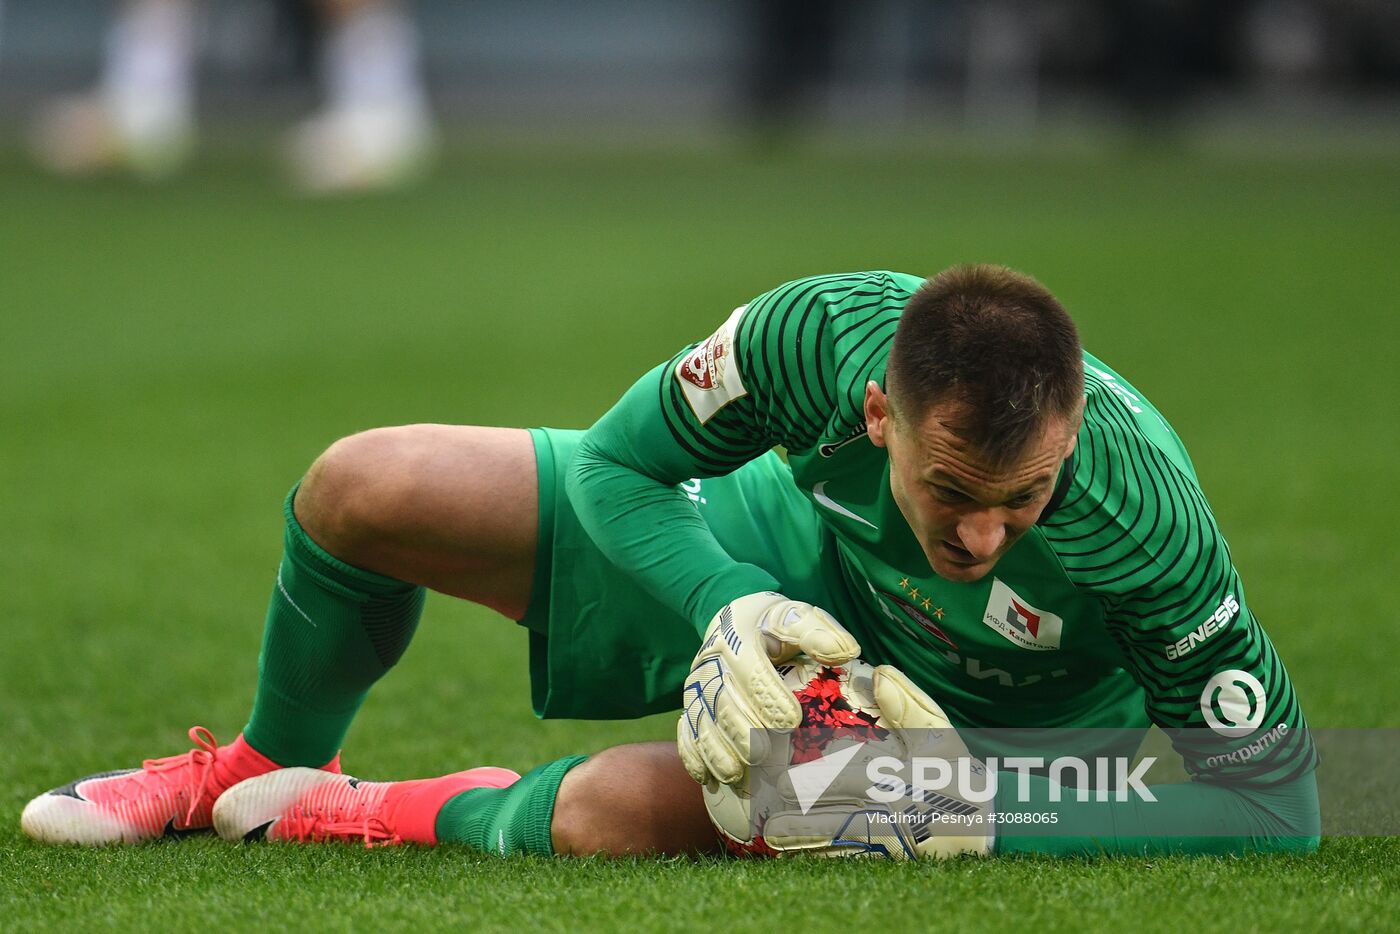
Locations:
601 648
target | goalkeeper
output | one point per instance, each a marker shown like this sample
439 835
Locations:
968 497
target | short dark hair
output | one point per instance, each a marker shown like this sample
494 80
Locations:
996 341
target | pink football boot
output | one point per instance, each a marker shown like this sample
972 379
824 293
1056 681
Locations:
165 797
311 806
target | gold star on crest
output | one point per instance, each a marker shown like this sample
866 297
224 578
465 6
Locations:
927 604
904 583
914 594
938 613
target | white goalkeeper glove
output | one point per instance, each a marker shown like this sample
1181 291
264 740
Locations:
735 693
932 823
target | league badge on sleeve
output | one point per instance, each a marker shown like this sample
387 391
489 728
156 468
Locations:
709 376
1025 625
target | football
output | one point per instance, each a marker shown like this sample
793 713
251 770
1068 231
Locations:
837 703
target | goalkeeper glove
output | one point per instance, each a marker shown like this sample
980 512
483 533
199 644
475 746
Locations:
735 693
849 821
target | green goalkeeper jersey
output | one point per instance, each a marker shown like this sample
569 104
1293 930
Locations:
1120 606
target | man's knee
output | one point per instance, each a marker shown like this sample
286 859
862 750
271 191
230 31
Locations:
451 507
355 488
631 799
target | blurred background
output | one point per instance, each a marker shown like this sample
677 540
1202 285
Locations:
234 231
384 76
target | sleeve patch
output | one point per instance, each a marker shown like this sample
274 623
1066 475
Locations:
1233 703
709 376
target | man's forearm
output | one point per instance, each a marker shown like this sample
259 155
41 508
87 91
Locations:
649 527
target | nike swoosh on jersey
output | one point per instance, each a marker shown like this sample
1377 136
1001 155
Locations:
819 494
827 450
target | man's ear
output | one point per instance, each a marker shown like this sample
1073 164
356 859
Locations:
877 413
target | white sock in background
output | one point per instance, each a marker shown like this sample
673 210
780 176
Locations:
147 84
376 130
371 60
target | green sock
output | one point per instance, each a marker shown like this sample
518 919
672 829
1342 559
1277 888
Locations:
332 630
508 820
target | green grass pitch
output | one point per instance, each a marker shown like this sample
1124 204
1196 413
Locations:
174 357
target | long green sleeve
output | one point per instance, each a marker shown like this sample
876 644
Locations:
770 375
622 484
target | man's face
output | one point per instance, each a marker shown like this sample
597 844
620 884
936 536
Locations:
965 514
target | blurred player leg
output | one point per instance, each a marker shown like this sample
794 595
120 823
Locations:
376 130
140 116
